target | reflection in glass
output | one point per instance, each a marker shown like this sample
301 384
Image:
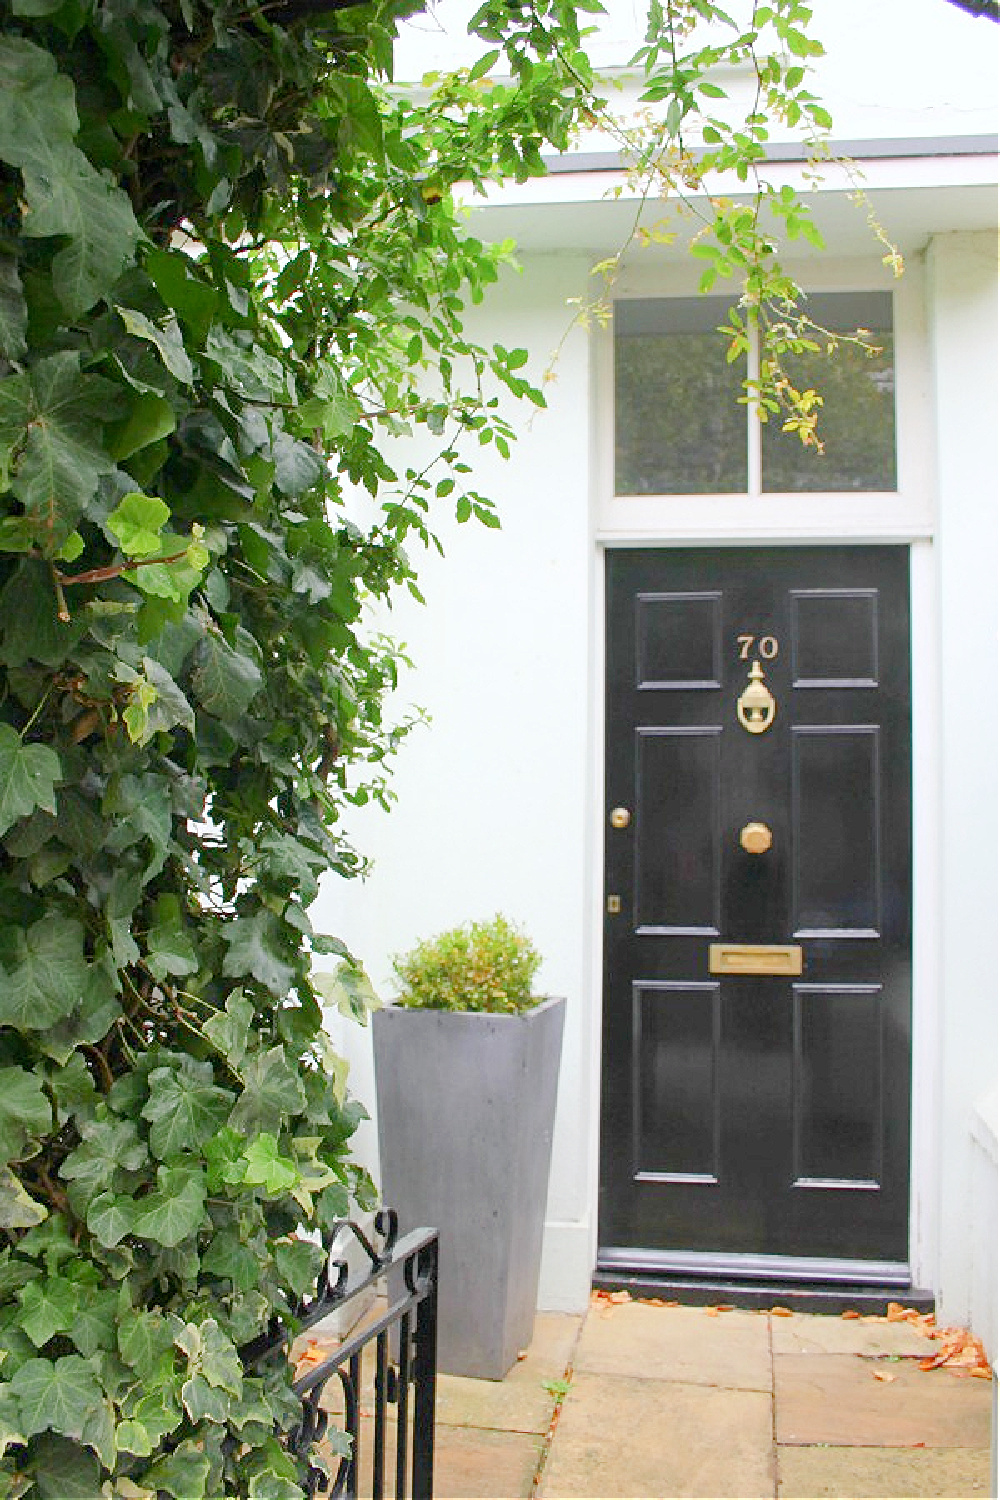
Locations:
679 429
857 422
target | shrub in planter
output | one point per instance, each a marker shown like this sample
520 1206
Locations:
466 1068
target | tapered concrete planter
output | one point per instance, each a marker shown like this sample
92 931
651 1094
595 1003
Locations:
466 1103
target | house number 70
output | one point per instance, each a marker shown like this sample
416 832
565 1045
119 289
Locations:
767 646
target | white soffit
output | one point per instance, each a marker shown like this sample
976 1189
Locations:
952 187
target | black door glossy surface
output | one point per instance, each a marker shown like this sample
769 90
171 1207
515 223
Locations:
757 1115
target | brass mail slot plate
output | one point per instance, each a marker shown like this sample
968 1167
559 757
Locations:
754 958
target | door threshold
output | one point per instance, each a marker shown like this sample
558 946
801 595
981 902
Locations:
801 1288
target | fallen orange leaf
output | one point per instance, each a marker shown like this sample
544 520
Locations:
621 1296
726 1307
850 1313
782 1312
712 1312
883 1375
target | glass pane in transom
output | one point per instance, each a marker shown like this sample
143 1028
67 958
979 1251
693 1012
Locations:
679 428
857 420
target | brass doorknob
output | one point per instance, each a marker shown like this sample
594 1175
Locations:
756 838
620 817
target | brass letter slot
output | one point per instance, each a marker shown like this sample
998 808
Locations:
754 958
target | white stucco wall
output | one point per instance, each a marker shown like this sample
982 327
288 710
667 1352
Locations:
493 796
962 295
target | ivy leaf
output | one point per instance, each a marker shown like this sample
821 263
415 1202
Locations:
229 1030
171 950
25 1110
299 1263
53 415
60 1394
267 1168
143 1339
108 1147
48 1307
212 1354
29 775
63 1470
18 1210
229 1257
255 946
272 1089
13 310
167 340
110 1219
63 193
183 1473
175 1210
136 523
225 681
184 1108
48 976
29 625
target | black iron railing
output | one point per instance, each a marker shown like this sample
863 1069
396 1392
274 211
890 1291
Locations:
386 1371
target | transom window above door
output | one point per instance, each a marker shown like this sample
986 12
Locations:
679 427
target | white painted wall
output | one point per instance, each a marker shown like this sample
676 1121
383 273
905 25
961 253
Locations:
962 293
492 812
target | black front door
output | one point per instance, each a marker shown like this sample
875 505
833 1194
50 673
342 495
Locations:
756 1042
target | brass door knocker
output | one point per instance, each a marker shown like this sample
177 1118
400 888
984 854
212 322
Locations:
755 708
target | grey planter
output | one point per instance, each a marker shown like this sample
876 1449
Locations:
466 1103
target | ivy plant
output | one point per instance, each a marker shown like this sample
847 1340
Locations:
231 267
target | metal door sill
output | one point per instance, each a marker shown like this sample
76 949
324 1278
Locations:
804 1284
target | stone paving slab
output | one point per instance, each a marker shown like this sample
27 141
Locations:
677 1343
836 1399
619 1436
815 1334
473 1462
873 1473
521 1402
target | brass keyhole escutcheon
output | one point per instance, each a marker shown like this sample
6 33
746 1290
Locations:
620 817
755 707
756 838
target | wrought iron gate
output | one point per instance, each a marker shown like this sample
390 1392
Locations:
402 1339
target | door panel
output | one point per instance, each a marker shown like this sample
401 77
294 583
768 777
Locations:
756 1114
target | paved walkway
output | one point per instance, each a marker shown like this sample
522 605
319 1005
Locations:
641 1400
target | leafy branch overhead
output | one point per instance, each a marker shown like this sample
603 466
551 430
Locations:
231 270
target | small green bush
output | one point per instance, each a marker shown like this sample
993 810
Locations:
481 966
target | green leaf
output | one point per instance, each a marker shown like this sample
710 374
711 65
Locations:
213 1354
143 1339
48 1307
488 61
62 1395
150 418
175 1210
225 681
29 625
257 946
136 523
25 1111
272 1090
48 975
63 193
167 340
110 1219
29 775
229 1030
183 1473
52 416
267 1168
13 310
299 1263
18 1210
184 1108
109 1147
63 1470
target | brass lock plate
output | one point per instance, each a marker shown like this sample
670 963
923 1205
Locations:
755 958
